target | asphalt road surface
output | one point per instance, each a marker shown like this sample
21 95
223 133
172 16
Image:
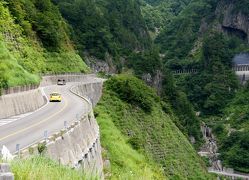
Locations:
29 129
232 175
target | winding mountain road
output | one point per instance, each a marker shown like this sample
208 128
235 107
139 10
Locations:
31 128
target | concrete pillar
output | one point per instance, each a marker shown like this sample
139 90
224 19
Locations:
5 173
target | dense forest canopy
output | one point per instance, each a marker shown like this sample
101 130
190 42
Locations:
101 27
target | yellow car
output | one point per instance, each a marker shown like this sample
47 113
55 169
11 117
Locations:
55 97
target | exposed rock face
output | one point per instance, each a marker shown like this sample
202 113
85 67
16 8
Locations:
154 81
210 148
98 65
233 22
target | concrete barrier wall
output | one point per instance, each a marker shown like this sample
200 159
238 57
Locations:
5 172
15 104
20 103
50 80
18 89
92 91
243 76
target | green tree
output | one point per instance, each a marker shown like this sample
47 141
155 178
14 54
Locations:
214 86
234 151
186 120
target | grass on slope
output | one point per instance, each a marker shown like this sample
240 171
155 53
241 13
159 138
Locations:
153 134
126 162
65 62
11 71
41 168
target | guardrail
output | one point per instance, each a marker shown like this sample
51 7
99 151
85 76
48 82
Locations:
56 74
185 71
241 67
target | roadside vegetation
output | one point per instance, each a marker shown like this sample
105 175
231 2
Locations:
42 168
232 131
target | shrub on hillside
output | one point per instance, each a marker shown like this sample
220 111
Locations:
234 151
133 91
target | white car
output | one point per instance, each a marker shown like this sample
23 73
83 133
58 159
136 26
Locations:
61 82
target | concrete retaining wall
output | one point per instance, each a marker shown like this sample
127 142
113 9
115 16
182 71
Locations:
19 89
92 91
5 172
79 145
20 103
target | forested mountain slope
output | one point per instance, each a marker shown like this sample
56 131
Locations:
109 35
112 35
34 39
206 35
159 13
108 26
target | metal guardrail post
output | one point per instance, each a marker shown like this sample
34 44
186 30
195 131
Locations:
46 135
65 124
18 150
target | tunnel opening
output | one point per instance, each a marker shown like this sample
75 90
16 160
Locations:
236 32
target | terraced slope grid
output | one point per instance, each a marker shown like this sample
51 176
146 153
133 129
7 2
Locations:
132 108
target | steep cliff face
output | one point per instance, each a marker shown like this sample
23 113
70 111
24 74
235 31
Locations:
154 80
233 21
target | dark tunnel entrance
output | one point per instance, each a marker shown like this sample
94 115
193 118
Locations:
237 32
